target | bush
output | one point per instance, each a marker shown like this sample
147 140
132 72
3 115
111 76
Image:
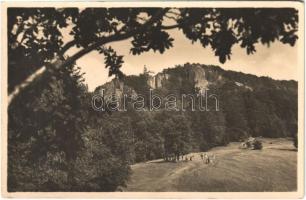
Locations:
257 145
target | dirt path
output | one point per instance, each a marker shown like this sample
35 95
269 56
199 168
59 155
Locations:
271 169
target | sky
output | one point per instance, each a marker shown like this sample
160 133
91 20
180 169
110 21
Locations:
278 61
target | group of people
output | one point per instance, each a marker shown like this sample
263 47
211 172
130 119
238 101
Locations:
186 158
205 157
208 159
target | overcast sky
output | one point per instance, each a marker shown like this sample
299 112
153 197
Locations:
278 61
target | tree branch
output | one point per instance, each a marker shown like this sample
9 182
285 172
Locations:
113 38
79 54
170 27
67 46
25 83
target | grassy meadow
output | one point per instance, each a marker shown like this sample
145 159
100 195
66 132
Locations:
274 168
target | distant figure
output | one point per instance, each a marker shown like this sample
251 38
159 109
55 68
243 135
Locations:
206 159
186 158
202 156
191 157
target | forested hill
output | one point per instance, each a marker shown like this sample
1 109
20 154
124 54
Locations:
57 142
248 106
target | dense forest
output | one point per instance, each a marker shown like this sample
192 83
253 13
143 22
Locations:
58 142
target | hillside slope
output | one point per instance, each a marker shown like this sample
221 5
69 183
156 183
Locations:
274 168
233 106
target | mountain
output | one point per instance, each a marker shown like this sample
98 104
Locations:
239 105
201 77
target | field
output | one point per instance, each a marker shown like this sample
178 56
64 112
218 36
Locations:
274 168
